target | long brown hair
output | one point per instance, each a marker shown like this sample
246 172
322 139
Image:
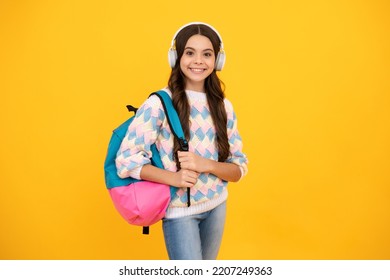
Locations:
213 88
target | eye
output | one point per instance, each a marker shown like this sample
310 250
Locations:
208 54
189 53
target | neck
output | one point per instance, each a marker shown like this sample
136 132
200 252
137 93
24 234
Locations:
195 86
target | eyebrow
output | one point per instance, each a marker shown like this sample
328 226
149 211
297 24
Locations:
205 50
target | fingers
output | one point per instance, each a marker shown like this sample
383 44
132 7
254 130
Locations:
187 178
183 156
192 161
190 176
185 165
187 160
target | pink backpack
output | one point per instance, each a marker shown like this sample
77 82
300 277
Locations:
141 203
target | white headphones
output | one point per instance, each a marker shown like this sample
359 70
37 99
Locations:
221 57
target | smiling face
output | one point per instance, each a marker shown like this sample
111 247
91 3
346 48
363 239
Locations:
197 61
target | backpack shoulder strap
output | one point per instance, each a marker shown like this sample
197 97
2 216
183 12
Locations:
173 118
175 125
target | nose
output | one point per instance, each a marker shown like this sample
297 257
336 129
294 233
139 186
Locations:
198 59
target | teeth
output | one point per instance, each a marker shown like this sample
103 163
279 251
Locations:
197 70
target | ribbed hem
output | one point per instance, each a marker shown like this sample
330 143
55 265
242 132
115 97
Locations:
178 212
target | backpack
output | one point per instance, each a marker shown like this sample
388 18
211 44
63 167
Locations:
140 202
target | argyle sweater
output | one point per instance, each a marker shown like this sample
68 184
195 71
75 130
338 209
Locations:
150 126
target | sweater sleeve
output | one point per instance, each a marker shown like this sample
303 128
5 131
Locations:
236 154
134 151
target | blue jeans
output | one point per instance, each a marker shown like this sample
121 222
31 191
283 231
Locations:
196 237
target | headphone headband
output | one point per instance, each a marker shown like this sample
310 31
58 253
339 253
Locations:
196 23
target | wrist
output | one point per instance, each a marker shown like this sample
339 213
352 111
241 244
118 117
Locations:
210 166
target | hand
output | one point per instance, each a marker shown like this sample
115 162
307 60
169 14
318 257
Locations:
185 178
224 170
191 161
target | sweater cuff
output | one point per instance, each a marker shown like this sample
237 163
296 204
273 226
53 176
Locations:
136 172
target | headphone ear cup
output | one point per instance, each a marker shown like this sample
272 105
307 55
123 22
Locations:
220 61
172 57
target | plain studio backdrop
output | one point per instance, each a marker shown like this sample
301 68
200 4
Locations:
309 81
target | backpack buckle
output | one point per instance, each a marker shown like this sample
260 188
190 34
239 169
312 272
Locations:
183 144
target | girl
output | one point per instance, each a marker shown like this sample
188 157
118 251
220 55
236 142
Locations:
191 230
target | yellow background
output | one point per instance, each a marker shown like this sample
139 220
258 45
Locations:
310 84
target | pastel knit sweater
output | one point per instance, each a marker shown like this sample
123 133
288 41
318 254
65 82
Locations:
150 126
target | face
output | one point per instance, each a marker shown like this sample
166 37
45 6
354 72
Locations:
197 62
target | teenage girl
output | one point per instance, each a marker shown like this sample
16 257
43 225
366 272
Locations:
192 230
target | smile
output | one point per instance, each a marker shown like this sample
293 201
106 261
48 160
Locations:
197 70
